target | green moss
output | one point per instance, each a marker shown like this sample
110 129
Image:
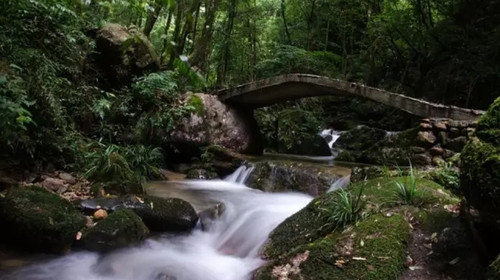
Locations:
379 242
434 220
119 229
381 191
490 120
197 103
39 220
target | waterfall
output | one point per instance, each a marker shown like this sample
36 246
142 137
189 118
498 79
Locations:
341 183
228 250
331 136
241 175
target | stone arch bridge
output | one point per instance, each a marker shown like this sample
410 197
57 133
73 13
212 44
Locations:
278 89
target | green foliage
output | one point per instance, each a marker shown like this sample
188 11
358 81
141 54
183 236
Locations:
407 193
107 164
15 117
447 175
289 59
113 163
349 208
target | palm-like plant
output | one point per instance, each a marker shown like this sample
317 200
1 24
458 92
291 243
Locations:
407 193
348 208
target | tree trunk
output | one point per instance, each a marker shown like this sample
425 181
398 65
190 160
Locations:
202 45
283 16
167 28
151 20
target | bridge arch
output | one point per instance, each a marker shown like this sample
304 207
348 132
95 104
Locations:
278 89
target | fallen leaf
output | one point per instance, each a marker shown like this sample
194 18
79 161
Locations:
415 267
370 267
454 261
359 259
78 235
139 199
362 243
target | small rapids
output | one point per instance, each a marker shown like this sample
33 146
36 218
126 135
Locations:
229 249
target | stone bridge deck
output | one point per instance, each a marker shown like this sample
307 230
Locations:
295 86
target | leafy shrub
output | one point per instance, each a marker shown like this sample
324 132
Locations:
447 175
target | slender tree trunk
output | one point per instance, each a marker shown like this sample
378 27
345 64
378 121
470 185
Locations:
283 16
327 33
152 18
195 26
226 53
167 28
202 45
173 53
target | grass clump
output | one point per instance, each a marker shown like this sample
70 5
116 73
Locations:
348 208
407 193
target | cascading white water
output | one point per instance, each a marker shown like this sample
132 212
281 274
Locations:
228 250
331 136
241 175
341 183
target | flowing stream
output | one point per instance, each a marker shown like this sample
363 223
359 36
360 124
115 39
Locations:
229 249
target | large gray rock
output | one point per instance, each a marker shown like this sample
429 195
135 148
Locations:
122 54
215 123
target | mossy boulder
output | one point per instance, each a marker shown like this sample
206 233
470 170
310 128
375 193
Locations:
373 249
359 138
279 176
167 214
38 220
480 167
123 53
375 146
309 245
120 229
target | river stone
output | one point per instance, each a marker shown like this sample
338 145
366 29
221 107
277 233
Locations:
456 144
418 150
159 214
208 216
421 160
201 174
426 139
440 125
425 126
280 176
38 220
167 214
218 124
480 167
120 229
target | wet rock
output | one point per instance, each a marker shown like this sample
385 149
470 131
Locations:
278 176
456 144
111 204
38 220
426 139
208 216
201 174
159 214
122 228
167 214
